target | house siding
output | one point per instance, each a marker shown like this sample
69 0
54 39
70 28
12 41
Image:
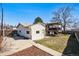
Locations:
32 29
23 31
40 35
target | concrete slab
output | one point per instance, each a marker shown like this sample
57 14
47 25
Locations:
23 44
17 46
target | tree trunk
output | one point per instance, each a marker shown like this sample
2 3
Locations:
64 27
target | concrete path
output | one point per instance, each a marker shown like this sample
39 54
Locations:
48 50
23 44
17 46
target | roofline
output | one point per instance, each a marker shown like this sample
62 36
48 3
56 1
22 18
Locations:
54 23
28 25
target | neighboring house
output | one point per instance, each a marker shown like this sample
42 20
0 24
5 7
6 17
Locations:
34 32
68 28
53 28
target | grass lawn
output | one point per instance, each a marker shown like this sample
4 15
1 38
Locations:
57 43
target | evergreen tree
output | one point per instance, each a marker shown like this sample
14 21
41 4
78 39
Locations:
38 20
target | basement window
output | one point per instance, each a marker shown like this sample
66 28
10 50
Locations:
27 32
37 32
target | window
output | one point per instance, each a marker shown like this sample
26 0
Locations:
27 32
37 32
19 30
48 32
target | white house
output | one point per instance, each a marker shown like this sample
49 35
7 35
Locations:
34 32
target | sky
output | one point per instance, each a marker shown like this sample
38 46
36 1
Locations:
15 13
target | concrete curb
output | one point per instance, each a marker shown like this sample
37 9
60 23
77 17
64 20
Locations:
48 50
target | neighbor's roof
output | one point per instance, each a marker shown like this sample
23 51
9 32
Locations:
31 51
53 23
75 30
24 25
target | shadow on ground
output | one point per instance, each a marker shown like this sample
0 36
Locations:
20 38
72 48
16 36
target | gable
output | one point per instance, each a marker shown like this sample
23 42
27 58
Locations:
37 26
19 26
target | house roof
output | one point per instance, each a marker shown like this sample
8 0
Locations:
27 25
31 51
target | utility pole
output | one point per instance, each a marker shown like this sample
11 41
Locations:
1 35
1 21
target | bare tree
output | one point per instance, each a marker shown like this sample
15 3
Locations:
76 23
5 42
56 16
64 16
